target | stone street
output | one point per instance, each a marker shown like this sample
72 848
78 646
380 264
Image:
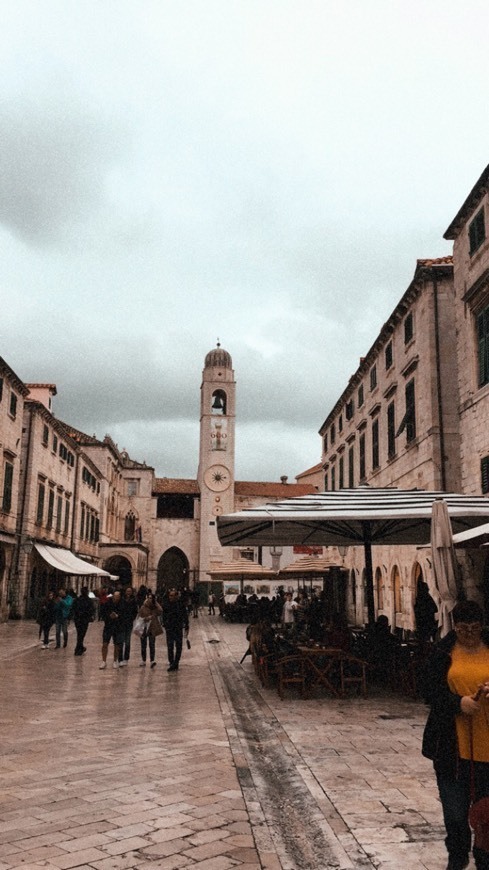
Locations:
202 768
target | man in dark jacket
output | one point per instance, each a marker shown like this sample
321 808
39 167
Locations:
83 614
175 620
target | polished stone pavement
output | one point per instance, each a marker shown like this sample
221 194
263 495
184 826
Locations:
202 768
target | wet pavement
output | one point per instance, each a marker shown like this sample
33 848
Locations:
202 768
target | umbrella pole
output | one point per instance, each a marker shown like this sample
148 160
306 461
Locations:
369 574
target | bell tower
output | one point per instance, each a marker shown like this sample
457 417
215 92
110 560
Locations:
216 455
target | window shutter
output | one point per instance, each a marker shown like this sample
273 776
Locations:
485 474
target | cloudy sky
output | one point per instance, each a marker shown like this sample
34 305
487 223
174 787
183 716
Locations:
262 171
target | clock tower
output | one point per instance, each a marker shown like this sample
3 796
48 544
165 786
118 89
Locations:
216 454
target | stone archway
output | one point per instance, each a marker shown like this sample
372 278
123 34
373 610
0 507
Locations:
121 568
173 570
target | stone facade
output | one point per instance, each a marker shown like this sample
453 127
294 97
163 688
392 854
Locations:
396 424
471 278
12 394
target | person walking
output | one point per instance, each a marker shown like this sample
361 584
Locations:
456 736
175 620
83 615
129 611
150 611
63 607
112 630
47 618
211 603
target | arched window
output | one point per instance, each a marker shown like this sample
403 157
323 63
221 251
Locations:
396 589
130 527
379 589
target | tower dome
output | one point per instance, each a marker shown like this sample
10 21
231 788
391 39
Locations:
218 358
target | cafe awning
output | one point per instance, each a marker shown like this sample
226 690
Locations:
66 561
473 537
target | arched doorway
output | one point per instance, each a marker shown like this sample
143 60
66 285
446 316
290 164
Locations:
121 568
172 570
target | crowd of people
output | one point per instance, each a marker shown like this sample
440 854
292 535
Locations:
124 613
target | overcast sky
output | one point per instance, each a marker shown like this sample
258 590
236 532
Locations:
262 171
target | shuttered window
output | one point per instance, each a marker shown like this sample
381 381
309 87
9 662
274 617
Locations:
477 232
485 474
8 477
483 345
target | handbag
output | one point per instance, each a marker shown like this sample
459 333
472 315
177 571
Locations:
139 626
479 822
155 628
479 809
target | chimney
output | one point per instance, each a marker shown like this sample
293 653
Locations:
284 478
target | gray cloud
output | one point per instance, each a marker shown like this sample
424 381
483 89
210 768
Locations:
235 170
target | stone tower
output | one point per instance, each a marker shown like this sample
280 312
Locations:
216 455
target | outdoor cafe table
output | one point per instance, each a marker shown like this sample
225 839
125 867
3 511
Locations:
319 664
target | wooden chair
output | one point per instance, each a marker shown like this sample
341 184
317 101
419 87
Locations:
290 671
353 672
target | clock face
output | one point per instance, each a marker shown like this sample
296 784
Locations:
217 478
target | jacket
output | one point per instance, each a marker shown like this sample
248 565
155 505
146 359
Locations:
175 616
440 735
152 617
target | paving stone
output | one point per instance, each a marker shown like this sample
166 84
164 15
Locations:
180 787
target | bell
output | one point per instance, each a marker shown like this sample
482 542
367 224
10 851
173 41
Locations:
218 404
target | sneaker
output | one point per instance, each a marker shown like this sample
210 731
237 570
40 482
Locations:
172 668
142 664
122 664
102 666
153 664
44 646
115 665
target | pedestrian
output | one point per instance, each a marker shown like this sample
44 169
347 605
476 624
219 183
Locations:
288 611
129 611
141 595
175 620
456 736
195 597
83 615
112 630
211 602
63 606
150 611
47 617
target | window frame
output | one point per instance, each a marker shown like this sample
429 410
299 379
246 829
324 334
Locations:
477 232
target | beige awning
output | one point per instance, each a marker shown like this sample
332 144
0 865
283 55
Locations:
66 561
472 537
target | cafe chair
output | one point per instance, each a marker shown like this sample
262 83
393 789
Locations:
353 672
290 671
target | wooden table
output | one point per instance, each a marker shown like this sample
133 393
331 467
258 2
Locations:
319 662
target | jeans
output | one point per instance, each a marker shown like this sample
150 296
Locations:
61 626
81 630
152 646
455 796
125 647
174 643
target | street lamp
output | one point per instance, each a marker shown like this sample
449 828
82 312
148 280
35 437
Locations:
342 550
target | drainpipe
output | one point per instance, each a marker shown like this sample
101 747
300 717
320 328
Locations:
13 587
438 385
74 518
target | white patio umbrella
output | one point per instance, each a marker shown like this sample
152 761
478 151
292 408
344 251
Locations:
363 516
445 569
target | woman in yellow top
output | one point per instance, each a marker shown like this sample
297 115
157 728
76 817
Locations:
456 736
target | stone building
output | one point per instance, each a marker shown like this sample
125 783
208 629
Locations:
12 394
87 499
471 280
397 424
